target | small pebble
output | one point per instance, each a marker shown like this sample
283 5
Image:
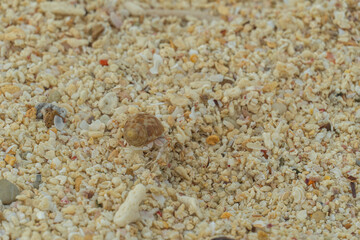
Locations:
59 123
178 100
212 140
78 183
54 96
262 235
84 125
358 162
279 107
37 181
96 31
128 212
301 215
318 216
115 20
9 89
108 103
8 191
9 159
14 34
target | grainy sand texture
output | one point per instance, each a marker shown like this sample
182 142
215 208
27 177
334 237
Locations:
259 103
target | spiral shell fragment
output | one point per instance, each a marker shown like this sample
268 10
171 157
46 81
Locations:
299 194
142 129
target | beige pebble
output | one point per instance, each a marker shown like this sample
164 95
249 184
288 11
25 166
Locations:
95 134
9 89
71 89
74 42
279 107
69 209
96 31
62 8
182 172
341 20
285 70
192 204
14 33
78 181
42 203
301 215
318 216
178 100
262 235
223 10
133 8
221 68
108 103
234 92
113 155
54 96
269 87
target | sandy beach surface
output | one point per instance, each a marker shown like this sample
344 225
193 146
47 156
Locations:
258 109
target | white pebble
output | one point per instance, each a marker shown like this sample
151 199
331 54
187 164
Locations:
301 215
84 125
97 126
58 218
128 212
58 122
216 78
192 204
108 103
160 198
133 8
56 163
192 52
40 215
7 66
157 61
62 179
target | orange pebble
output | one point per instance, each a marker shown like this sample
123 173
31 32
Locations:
54 130
191 29
271 44
193 58
165 224
226 215
31 113
212 140
10 159
104 62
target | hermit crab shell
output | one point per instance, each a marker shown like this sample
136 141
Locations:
142 129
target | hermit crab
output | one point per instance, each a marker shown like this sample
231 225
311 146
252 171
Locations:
143 131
